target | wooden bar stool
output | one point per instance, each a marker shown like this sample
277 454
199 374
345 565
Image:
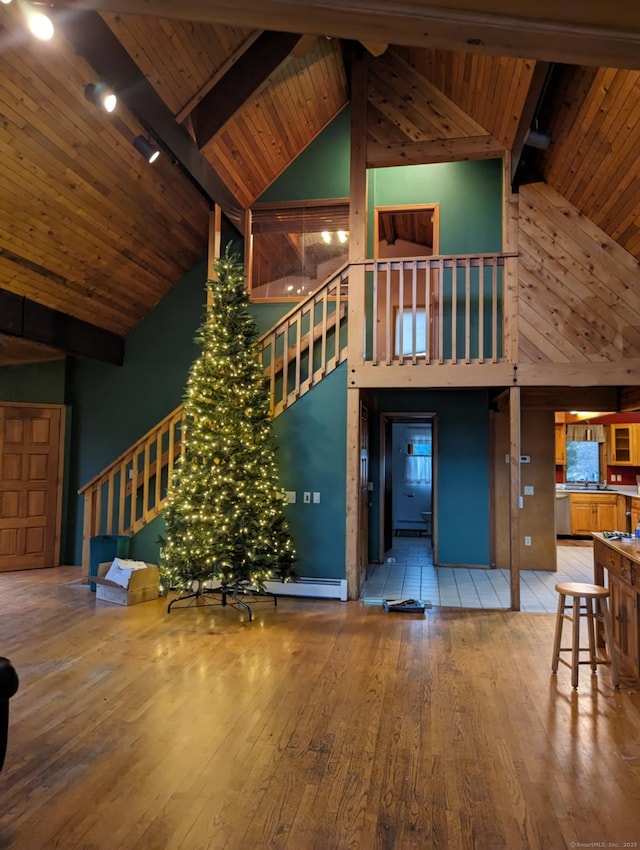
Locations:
594 608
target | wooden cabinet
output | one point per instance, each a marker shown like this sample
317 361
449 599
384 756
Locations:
593 512
620 563
635 512
624 445
561 445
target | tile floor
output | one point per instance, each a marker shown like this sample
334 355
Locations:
409 573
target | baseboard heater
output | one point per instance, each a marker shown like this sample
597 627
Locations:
322 588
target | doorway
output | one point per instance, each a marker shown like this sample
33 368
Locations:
408 478
31 464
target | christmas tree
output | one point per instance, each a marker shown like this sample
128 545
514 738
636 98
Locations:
224 519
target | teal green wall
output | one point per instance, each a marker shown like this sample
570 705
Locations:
321 170
310 436
39 383
469 195
462 458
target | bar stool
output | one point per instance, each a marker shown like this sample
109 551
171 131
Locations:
594 608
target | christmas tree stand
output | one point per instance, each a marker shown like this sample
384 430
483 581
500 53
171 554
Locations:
223 596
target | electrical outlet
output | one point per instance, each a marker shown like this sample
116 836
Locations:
290 497
527 541
306 498
528 490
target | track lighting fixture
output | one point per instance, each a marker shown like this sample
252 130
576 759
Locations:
148 150
39 23
101 95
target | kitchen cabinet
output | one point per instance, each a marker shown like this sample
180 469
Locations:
593 512
620 562
634 509
624 445
561 445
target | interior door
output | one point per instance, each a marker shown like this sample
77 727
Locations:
30 486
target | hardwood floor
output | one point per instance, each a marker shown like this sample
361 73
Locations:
321 725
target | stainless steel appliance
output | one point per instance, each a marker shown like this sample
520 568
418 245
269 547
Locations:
563 514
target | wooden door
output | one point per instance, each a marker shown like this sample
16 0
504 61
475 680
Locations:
30 486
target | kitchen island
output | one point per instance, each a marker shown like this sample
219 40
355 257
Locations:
616 565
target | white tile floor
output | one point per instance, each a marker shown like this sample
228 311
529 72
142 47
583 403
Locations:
411 574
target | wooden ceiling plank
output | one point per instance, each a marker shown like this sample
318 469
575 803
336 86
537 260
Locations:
593 33
242 80
423 91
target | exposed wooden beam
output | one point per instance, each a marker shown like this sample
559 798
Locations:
22 318
382 155
94 40
241 81
586 33
191 104
531 106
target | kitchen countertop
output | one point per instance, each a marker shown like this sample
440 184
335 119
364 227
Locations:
614 489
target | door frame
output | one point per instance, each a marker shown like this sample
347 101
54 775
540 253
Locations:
387 419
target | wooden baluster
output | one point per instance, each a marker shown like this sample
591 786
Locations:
494 313
454 311
110 492
481 271
398 343
375 335
388 342
122 494
323 340
158 493
467 312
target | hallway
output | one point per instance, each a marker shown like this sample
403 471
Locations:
409 572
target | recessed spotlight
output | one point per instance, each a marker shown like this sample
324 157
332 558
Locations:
148 150
101 95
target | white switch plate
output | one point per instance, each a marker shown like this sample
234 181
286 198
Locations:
290 497
316 498
527 541
306 498
528 489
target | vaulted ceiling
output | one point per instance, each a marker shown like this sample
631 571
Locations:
91 237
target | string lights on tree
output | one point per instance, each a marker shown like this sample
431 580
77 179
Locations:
224 516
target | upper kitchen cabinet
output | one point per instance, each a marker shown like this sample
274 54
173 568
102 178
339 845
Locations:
624 445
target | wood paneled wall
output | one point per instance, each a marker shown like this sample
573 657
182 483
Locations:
579 290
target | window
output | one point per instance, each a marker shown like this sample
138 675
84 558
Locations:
583 461
296 247
406 343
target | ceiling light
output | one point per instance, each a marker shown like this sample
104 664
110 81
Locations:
342 236
39 24
536 139
326 236
148 150
101 95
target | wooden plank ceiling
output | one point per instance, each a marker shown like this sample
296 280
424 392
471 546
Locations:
88 229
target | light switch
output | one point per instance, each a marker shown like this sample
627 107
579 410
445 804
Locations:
290 496
528 489
316 498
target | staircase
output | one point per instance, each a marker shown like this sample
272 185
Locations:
309 342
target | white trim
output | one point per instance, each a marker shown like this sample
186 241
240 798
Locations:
323 588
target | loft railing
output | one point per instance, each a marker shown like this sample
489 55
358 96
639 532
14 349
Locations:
307 343
444 309
423 311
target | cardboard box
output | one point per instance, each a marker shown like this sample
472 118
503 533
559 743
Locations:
142 585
